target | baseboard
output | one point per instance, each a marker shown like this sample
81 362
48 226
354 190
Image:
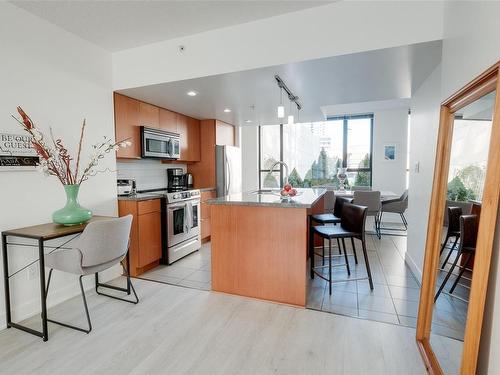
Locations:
417 272
31 308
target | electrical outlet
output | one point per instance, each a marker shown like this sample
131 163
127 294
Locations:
33 271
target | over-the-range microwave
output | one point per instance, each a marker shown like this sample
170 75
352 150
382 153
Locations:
159 144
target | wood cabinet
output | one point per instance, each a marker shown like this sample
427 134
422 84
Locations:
212 133
149 115
127 126
130 114
168 120
205 214
145 239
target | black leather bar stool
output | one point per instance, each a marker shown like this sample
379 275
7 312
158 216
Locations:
453 230
331 218
352 225
467 246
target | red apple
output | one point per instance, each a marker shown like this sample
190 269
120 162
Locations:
284 192
287 187
292 192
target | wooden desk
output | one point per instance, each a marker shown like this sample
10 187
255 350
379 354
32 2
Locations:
41 233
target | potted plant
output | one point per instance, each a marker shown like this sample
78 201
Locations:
55 160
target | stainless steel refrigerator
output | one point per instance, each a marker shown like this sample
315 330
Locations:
228 170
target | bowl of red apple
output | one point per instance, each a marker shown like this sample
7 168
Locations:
288 192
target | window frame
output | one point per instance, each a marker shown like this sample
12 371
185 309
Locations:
345 119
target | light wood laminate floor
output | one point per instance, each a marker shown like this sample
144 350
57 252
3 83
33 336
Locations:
177 330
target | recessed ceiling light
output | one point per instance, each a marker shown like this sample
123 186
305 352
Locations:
192 93
248 121
227 110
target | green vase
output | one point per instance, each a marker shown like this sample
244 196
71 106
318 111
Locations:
72 213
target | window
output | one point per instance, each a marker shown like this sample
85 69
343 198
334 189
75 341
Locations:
315 151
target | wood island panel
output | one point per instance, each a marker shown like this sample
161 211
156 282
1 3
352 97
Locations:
260 252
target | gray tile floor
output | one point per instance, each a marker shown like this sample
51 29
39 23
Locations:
192 271
396 293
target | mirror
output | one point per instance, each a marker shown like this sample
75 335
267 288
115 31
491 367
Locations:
465 185
462 220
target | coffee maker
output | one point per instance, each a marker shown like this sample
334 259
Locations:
176 179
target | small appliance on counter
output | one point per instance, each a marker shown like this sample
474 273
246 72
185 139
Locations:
189 180
176 179
126 186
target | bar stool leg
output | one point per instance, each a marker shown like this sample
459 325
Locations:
323 256
444 245
338 244
367 263
330 265
449 254
346 259
354 251
460 274
447 277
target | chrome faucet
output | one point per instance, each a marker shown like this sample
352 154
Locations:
286 170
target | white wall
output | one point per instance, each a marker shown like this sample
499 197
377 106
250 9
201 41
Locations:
317 32
58 79
423 138
148 174
471 45
390 127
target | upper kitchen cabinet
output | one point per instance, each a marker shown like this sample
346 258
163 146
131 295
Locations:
127 126
168 120
149 115
189 130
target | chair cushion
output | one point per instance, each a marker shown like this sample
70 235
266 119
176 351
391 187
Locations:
333 232
326 218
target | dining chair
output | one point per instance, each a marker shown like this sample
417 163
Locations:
452 230
371 200
467 246
352 225
396 206
101 245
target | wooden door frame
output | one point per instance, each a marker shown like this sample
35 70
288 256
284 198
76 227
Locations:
487 82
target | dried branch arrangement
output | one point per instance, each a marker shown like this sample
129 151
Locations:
55 159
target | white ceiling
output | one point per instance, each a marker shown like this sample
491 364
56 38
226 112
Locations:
322 85
117 25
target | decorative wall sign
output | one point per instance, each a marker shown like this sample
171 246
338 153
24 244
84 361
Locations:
17 152
390 152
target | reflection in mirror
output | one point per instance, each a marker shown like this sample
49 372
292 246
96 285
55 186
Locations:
469 154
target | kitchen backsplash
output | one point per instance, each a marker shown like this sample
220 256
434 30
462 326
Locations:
149 174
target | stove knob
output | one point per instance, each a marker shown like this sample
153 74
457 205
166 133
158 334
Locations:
176 196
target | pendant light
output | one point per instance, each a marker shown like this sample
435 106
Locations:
281 108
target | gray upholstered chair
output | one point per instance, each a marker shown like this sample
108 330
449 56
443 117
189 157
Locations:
101 245
396 206
371 200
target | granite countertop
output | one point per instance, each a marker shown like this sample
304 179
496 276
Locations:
140 197
306 198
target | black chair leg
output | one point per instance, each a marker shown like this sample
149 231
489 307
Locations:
330 265
354 251
338 244
444 245
447 277
127 290
449 253
367 263
346 259
323 253
460 274
89 323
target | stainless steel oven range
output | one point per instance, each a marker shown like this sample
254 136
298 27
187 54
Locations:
182 216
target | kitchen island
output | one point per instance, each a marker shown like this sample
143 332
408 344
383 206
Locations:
259 244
